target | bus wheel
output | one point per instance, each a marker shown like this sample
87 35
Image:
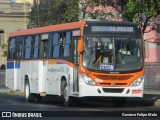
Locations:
119 102
38 98
29 97
68 101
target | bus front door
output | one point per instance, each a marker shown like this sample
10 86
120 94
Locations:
17 72
76 62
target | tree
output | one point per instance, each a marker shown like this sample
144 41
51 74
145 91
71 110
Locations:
4 50
49 12
108 9
141 11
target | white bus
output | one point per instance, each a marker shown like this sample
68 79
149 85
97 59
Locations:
76 60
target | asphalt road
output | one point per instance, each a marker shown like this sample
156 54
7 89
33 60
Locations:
54 108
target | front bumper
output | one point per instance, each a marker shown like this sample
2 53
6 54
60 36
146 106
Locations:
102 91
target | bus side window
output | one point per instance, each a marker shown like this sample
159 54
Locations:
62 40
56 48
11 49
28 47
51 45
32 46
36 47
67 45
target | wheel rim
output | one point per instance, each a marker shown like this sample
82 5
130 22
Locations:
27 91
65 93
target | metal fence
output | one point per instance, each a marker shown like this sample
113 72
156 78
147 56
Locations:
152 76
2 77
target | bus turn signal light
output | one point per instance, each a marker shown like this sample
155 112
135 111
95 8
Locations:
136 91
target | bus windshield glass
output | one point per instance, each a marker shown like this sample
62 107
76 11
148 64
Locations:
114 54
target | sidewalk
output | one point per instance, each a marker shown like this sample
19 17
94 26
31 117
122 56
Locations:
151 97
4 89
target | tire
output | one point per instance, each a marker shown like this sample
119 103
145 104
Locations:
38 98
68 101
119 102
29 97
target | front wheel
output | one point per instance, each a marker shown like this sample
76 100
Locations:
29 97
68 101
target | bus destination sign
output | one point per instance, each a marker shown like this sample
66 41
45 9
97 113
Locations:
112 29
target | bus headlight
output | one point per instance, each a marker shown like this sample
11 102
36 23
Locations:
88 80
137 81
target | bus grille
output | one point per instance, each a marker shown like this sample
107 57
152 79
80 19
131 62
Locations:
110 84
111 77
114 80
109 90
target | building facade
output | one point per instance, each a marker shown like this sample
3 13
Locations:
24 1
152 60
13 17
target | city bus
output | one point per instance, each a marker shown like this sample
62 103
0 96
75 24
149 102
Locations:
84 59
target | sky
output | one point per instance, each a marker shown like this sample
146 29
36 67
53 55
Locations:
13 1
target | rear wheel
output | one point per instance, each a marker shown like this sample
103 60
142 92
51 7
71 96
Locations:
29 97
38 98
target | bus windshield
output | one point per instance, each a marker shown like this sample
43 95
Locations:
115 54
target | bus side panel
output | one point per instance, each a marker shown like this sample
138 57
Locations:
41 78
34 68
55 73
25 71
10 78
13 80
26 68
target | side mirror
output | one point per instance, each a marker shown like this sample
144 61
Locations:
80 46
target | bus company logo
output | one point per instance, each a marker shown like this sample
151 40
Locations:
6 114
113 84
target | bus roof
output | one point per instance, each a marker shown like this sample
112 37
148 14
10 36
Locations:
65 26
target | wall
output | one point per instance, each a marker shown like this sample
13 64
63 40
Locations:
13 17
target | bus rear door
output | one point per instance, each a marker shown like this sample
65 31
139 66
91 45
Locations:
17 80
43 74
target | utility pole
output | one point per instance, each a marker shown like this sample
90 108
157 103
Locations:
36 2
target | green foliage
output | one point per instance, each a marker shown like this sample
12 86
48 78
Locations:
4 50
141 11
101 15
49 12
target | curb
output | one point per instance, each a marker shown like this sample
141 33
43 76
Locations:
5 90
148 99
154 98
157 103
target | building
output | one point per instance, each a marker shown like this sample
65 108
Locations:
152 60
13 17
24 1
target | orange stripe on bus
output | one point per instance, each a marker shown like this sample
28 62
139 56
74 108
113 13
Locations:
50 61
55 61
52 28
